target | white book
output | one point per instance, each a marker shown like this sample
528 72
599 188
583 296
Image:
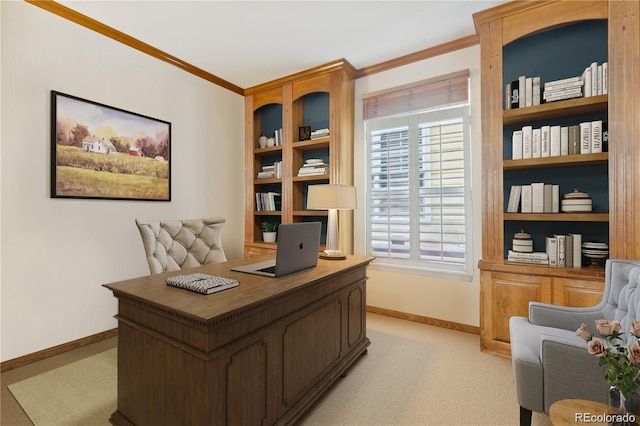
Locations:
514 199
599 79
577 250
527 260
535 96
550 87
507 96
516 145
537 197
594 78
563 81
596 136
554 144
564 140
587 82
533 255
561 250
585 137
525 199
528 99
551 245
535 143
522 84
545 150
527 149
605 78
555 198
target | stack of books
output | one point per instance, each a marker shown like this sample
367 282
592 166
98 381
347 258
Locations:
566 88
536 258
268 201
320 133
271 171
313 167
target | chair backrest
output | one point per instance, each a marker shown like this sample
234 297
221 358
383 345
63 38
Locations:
621 298
171 245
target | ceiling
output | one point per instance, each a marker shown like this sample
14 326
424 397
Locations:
251 42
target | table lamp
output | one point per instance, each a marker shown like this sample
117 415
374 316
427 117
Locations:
332 197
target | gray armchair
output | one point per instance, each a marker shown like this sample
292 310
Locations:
550 362
171 245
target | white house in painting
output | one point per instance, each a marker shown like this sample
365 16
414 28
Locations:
93 144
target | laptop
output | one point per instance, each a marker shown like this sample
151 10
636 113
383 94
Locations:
298 247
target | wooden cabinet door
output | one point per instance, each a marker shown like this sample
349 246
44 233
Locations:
505 295
577 293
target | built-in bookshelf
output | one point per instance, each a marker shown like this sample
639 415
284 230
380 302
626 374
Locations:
552 40
311 115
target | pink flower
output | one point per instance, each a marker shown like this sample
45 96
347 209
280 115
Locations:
583 332
635 328
633 353
596 347
607 327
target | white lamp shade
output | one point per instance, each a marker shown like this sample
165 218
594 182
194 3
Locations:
332 196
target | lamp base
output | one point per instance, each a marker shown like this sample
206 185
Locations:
332 255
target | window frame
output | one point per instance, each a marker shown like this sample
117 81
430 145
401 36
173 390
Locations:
418 266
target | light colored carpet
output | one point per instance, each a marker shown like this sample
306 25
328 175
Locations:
81 393
413 374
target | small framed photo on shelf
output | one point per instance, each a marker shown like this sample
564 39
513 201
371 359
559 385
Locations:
304 133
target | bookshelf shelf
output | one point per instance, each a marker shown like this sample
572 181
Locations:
557 161
558 217
553 110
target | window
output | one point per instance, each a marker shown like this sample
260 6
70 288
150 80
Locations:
419 198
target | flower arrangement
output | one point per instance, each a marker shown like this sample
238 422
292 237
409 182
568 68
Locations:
623 363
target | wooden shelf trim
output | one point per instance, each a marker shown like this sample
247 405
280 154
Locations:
313 143
268 213
584 273
558 161
310 213
551 110
268 150
267 181
311 178
558 217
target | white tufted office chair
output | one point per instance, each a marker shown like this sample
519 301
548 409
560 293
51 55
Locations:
171 245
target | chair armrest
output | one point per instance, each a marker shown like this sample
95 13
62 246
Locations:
563 317
570 372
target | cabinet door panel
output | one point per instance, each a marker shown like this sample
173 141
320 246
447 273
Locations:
577 293
511 295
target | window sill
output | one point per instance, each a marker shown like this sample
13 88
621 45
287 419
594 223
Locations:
384 265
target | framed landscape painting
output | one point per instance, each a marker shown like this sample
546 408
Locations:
99 151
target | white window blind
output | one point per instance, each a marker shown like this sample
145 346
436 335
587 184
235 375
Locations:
419 199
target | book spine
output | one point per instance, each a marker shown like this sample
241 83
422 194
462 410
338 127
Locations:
535 143
526 142
594 78
514 199
585 138
596 136
568 249
555 141
534 255
574 139
605 78
537 197
535 97
507 94
530 261
587 82
577 250
515 94
555 198
548 198
564 140
561 250
523 91
552 250
528 99
544 141
516 142
525 202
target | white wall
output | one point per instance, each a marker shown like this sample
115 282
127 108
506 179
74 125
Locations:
433 297
57 253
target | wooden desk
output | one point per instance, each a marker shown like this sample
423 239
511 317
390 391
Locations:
258 354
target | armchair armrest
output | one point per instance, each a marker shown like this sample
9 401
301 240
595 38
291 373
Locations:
563 317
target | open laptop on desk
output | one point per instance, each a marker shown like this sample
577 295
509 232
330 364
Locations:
298 247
